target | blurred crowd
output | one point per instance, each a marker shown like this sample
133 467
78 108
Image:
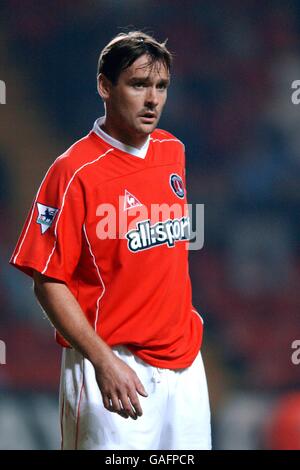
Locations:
230 102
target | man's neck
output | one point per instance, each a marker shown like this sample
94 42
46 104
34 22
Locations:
136 142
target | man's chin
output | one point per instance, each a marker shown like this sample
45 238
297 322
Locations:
146 129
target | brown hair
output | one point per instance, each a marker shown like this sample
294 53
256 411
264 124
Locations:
125 48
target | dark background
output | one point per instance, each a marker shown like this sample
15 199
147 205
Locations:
230 102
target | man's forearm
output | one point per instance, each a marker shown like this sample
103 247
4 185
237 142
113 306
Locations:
68 318
117 382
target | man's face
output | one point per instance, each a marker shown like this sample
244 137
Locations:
135 103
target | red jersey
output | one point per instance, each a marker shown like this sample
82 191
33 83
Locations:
111 222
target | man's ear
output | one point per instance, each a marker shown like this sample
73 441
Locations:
103 86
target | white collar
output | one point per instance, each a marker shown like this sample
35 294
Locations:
141 153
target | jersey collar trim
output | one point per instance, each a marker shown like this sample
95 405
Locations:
141 153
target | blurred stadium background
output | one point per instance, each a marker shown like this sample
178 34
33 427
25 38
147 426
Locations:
230 102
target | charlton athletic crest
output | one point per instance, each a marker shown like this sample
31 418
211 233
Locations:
46 216
176 184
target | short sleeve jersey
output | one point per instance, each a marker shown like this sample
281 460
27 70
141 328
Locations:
111 222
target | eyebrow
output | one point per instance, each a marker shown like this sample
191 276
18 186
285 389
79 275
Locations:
146 80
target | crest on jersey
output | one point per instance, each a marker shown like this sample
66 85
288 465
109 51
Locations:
176 184
130 201
46 216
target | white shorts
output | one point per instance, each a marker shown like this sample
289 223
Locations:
176 413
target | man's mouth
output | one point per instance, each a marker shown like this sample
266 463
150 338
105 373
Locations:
148 116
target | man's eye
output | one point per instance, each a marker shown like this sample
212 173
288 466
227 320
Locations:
138 85
162 86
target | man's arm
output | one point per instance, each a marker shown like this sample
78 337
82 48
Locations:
117 381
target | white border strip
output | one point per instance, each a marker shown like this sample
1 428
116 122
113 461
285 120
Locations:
63 203
197 313
166 140
99 275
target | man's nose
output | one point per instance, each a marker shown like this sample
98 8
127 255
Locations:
152 97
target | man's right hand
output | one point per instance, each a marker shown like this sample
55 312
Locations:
119 386
118 383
